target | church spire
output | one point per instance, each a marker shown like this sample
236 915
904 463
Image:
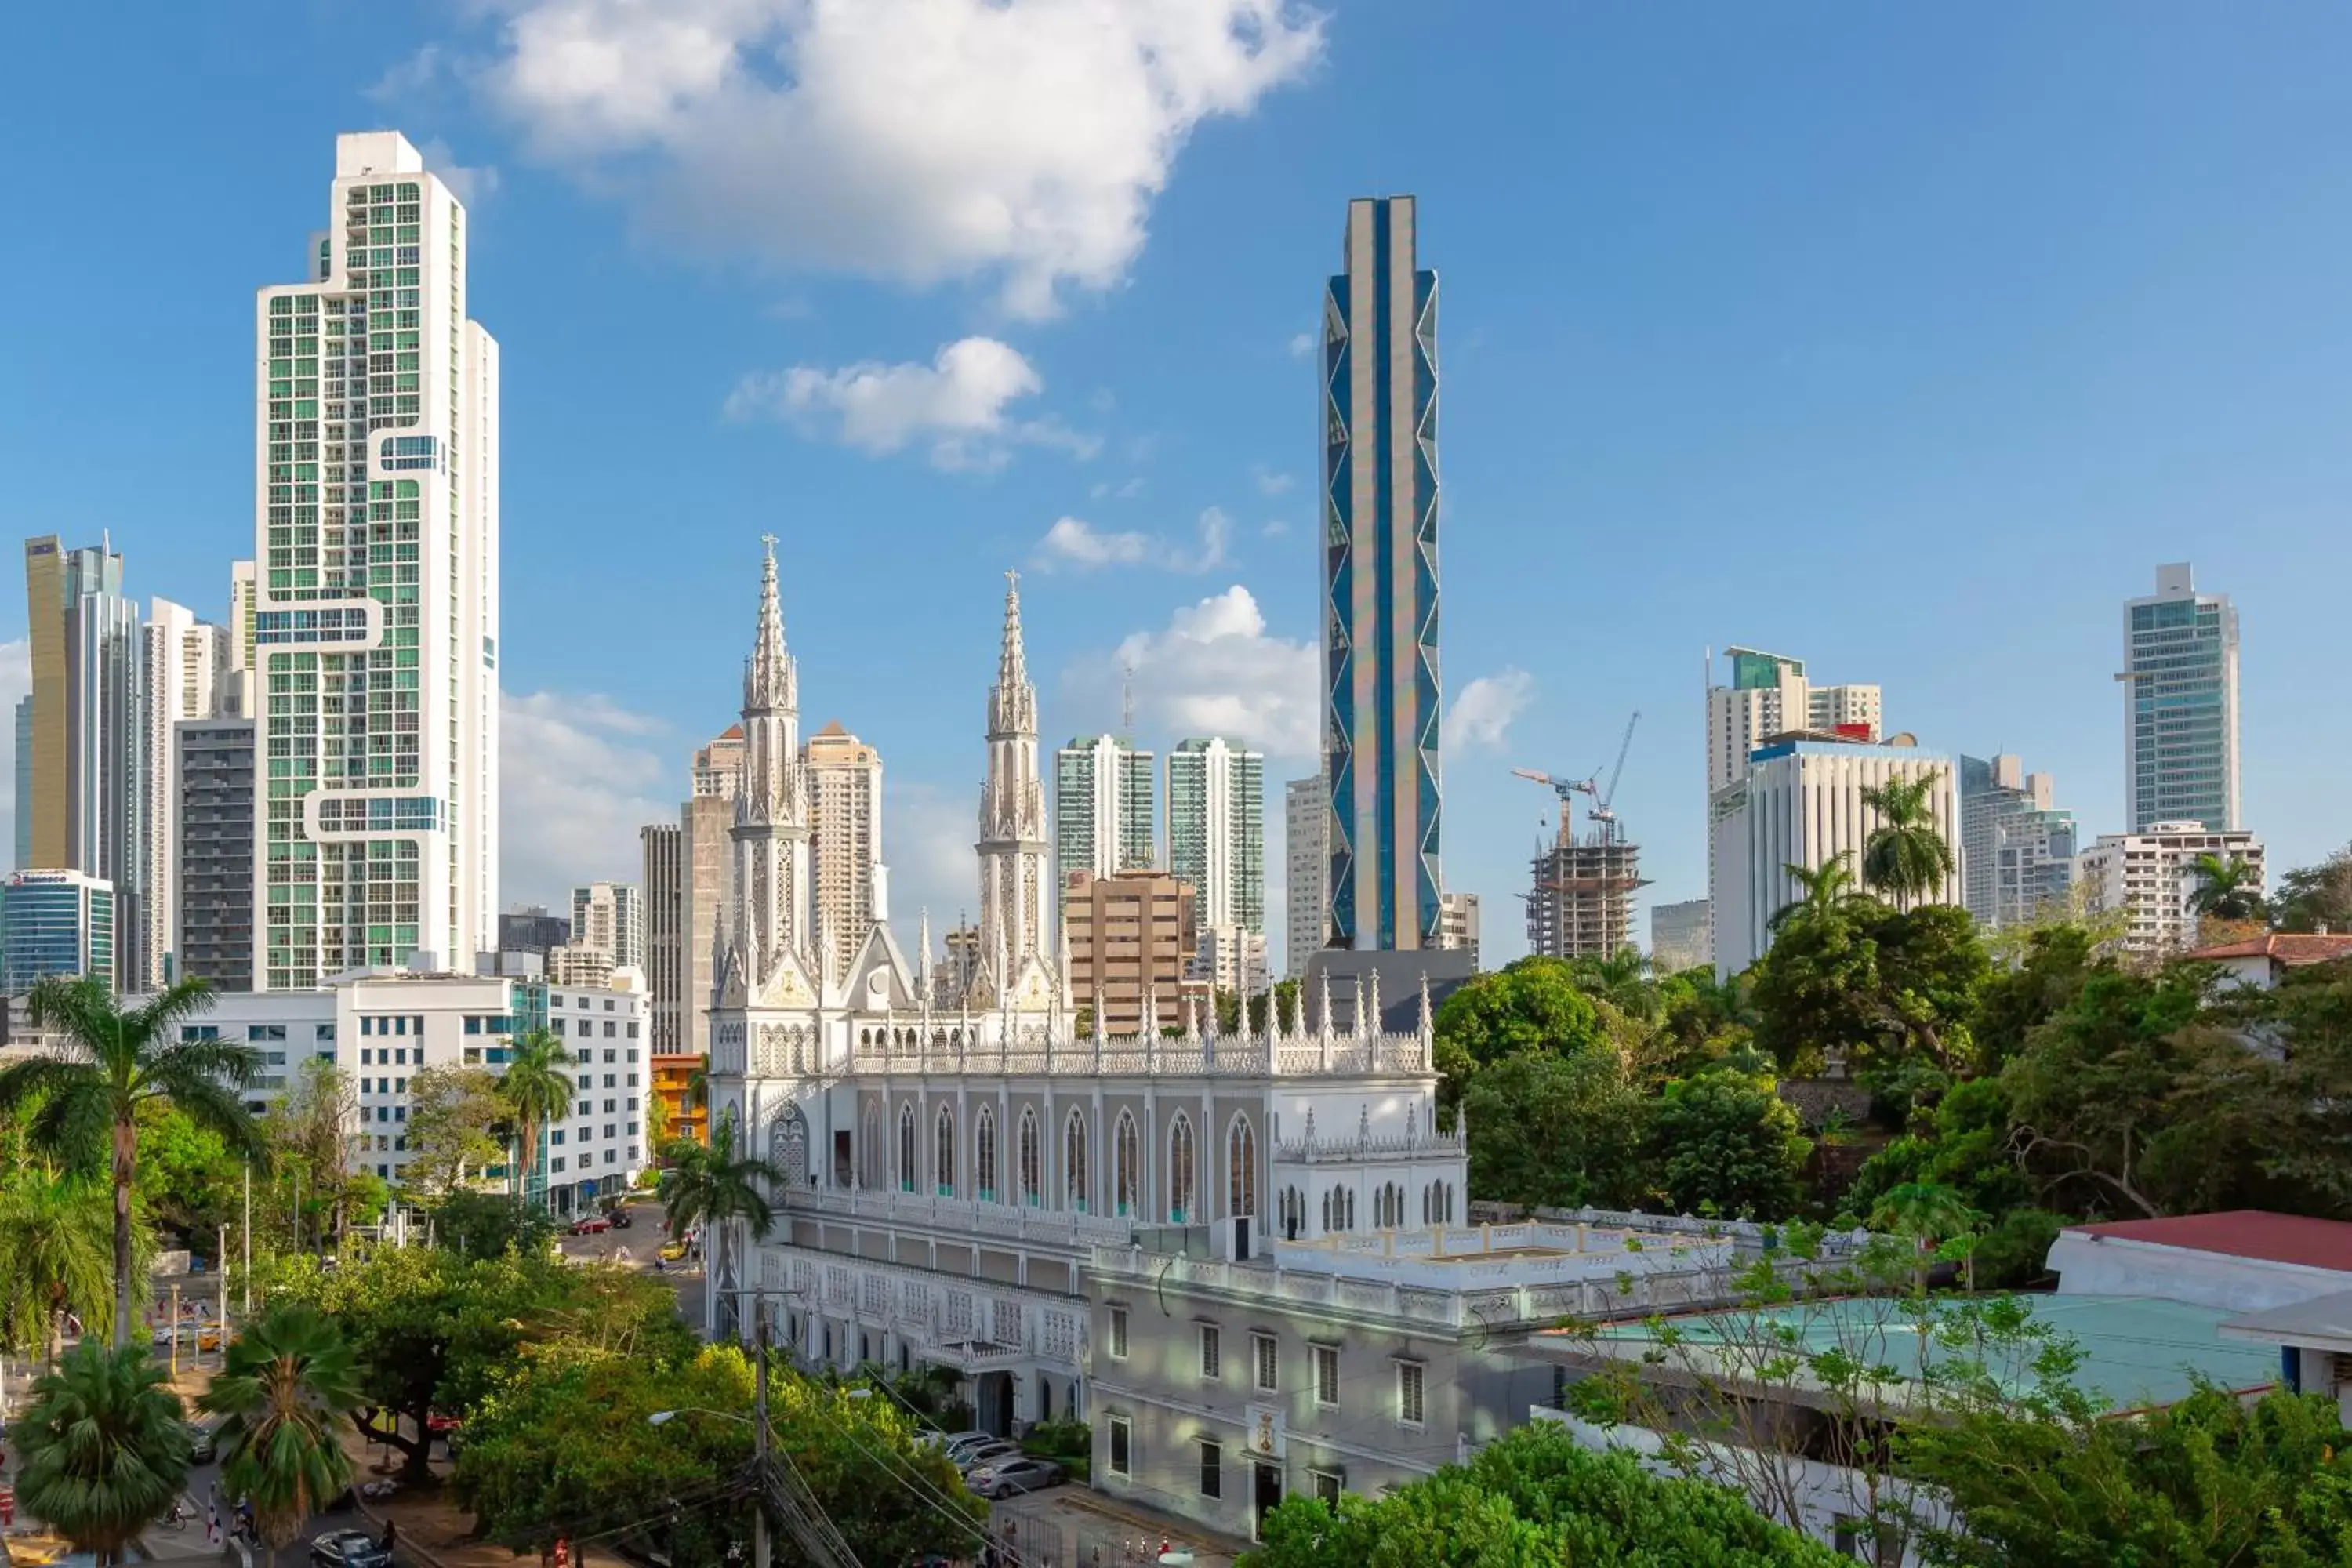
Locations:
770 683
1014 879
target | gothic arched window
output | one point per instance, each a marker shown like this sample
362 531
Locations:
984 1169
943 1158
1028 1160
1074 1163
870 1157
907 1148
1241 1168
1183 1174
1125 1167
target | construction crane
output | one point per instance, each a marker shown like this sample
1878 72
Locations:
1562 788
1600 814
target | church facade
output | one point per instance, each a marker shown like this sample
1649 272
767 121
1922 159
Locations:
949 1171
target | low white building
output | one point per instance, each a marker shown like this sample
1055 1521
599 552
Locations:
2263 960
2148 877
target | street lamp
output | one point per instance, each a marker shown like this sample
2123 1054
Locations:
664 1417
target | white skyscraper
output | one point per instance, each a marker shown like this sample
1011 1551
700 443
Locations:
2181 705
610 918
185 667
1103 813
1216 831
1306 854
376 601
2149 878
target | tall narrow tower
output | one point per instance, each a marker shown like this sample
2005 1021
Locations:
375 612
2181 705
771 804
1012 845
1381 696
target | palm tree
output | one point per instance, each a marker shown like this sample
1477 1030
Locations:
104 1447
1907 855
537 1088
2226 890
1621 979
1930 1213
1827 892
285 1387
710 1185
55 1259
128 1060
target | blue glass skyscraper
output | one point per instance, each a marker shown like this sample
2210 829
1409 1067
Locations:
1381 684
2181 705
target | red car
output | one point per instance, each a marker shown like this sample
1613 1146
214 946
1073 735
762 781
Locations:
594 1225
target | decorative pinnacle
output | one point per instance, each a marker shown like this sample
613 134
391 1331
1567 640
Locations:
767 680
1012 664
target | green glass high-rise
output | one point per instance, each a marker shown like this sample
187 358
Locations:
2181 705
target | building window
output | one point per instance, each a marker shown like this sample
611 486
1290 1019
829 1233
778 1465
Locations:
1212 1470
984 1144
1208 1352
1122 1448
1181 1173
1027 1158
907 1148
1119 1333
1262 1360
1328 1485
943 1155
1074 1163
1326 1375
1409 1388
1241 1168
1126 1169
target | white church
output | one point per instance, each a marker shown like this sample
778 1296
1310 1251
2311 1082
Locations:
949 1171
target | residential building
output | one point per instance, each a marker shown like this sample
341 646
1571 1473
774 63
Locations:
853 886
376 606
1681 936
1381 694
2181 705
1216 829
2149 878
706 856
673 1086
580 964
610 918
1580 895
1231 961
212 852
532 928
1104 816
1306 861
1359 1344
718 767
2262 962
660 844
1764 695
2314 1341
55 922
22 816
57 580
185 666
243 596
1457 925
1131 938
2017 848
1801 804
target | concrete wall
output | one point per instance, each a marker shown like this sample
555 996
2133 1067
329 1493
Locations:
2113 1266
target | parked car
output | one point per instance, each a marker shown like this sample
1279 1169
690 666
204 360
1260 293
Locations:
988 1453
619 1216
203 1443
1011 1477
591 1224
955 1444
347 1549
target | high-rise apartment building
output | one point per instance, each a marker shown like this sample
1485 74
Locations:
2181 705
22 813
853 886
212 852
1379 579
1457 925
55 922
1306 861
706 863
1216 829
57 580
185 667
376 603
2017 848
1681 936
2148 878
1132 940
237 685
1231 960
1103 809
1800 805
610 918
532 928
665 884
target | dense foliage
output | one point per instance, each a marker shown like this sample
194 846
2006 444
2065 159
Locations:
102 1449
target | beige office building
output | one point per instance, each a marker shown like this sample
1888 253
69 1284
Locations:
706 858
1130 935
852 884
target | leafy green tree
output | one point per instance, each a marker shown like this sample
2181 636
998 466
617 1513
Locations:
1283 999
711 1185
2227 888
102 1449
454 1115
309 1129
1725 1144
1534 1004
2208 1481
1882 988
121 1061
484 1225
284 1386
1906 855
2316 898
1931 1214
1827 892
1962 1144
1622 980
189 1180
1534 1499
537 1090
1558 1131
2056 961
56 1258
1704 1020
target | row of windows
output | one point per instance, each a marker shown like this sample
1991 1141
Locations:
1265 1366
1076 1187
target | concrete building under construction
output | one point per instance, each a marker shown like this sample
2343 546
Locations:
1581 902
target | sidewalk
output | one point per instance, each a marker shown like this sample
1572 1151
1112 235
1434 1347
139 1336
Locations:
1075 1527
434 1531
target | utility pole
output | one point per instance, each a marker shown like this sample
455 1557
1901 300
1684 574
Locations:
249 1239
176 1330
759 1428
220 1268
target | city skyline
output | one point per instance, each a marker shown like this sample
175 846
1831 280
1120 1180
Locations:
1800 438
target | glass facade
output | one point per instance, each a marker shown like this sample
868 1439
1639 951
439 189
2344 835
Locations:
55 922
2181 674
1216 831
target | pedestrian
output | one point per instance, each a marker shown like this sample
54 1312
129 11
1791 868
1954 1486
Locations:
212 1523
391 1535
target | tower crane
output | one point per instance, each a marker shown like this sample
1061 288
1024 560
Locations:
1562 788
1600 812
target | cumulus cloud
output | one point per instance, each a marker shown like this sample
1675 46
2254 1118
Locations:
1213 670
578 775
1302 344
922 140
1269 482
956 404
472 183
1480 717
1077 544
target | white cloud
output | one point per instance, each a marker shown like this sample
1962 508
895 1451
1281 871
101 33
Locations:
15 681
1302 344
1275 528
1269 482
926 837
958 403
1481 714
472 183
577 777
1076 543
1022 140
1106 490
1213 672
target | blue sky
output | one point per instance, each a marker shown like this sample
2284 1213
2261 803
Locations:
1907 339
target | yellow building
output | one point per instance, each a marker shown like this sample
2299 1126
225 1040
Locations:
672 1074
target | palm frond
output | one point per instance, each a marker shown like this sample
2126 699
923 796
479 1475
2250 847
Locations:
160 1017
